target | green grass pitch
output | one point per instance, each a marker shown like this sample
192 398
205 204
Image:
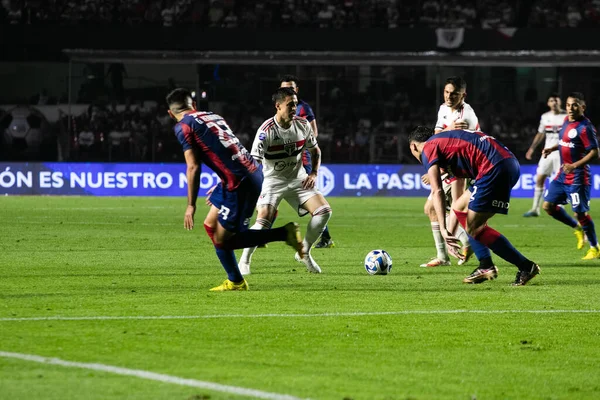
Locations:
293 333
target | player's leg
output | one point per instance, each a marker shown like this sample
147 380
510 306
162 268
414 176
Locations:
490 196
264 220
227 225
325 241
486 269
312 202
544 169
457 189
441 258
557 193
580 200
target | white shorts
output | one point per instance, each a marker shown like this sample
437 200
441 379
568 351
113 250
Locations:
273 191
549 166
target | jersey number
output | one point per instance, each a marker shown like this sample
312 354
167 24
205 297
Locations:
224 212
473 193
575 199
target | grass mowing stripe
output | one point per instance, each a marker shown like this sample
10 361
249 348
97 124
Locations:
342 314
259 394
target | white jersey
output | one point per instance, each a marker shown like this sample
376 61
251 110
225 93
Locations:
280 150
465 112
551 124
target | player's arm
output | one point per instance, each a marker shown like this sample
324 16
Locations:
536 142
547 151
439 204
315 160
592 155
313 125
193 182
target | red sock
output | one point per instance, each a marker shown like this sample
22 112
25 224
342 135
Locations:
461 217
211 232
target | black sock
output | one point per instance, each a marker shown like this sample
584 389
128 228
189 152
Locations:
526 266
486 263
255 237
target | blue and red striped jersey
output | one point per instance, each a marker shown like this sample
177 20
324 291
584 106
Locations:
213 142
576 139
303 110
467 154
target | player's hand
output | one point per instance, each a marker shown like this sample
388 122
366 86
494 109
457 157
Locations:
529 154
188 219
546 152
425 179
454 245
208 193
460 124
568 168
310 181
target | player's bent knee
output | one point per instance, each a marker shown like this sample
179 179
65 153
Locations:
549 207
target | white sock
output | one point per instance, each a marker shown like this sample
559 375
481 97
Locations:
316 226
462 236
440 244
259 224
537 199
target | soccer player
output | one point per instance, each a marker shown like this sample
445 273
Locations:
455 113
206 137
279 144
305 111
577 147
550 124
495 170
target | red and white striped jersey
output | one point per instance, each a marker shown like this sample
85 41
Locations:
280 150
446 116
551 124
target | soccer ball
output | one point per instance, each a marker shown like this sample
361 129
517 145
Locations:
378 262
24 130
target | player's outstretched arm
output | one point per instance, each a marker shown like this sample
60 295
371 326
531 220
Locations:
193 181
536 142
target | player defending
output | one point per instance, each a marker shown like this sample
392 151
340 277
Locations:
305 111
577 147
495 170
550 124
206 137
453 114
279 144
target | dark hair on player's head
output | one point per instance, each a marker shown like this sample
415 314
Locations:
420 134
577 95
554 95
458 82
289 78
179 100
281 94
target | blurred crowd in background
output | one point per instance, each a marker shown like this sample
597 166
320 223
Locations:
357 123
307 13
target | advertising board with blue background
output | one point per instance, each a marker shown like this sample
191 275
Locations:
110 179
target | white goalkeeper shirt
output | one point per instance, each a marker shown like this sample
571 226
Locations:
280 150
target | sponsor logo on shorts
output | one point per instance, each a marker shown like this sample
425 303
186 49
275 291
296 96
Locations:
500 204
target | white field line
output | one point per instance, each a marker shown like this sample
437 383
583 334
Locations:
315 315
153 376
